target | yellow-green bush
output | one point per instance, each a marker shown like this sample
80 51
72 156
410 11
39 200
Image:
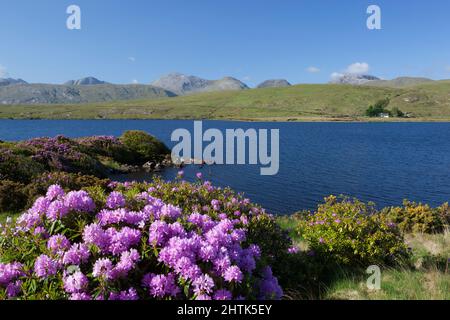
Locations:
351 233
418 217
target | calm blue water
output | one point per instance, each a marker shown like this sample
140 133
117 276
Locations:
381 162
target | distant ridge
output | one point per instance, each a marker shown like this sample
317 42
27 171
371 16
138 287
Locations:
401 82
93 90
182 84
64 94
10 81
274 83
88 81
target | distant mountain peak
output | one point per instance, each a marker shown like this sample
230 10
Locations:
354 79
181 84
11 81
87 81
274 83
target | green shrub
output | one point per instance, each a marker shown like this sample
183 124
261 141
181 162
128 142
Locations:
351 233
378 108
17 167
421 218
145 146
13 198
108 146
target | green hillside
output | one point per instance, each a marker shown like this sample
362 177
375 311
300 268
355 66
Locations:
311 102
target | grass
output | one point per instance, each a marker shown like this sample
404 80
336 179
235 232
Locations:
395 285
428 279
6 215
309 102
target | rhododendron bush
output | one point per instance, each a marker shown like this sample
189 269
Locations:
139 241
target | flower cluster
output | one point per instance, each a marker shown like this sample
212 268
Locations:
140 246
55 206
59 153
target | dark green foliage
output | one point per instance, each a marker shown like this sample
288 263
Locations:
12 196
145 146
18 167
396 112
378 108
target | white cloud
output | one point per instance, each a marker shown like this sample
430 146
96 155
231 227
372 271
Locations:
358 68
247 78
3 72
132 59
336 75
447 68
134 81
313 69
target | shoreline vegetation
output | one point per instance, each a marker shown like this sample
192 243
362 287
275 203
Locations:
308 102
319 254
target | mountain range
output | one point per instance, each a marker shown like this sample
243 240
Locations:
181 84
86 90
93 90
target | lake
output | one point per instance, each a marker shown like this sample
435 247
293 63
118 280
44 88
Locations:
380 162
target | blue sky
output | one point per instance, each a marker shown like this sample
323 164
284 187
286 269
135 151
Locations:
253 40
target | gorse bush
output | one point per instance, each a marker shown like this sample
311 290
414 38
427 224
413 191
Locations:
132 244
350 233
421 218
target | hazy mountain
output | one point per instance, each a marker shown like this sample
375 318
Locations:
354 79
88 81
274 83
10 81
400 82
63 94
183 84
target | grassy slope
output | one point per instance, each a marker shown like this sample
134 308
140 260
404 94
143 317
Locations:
302 102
